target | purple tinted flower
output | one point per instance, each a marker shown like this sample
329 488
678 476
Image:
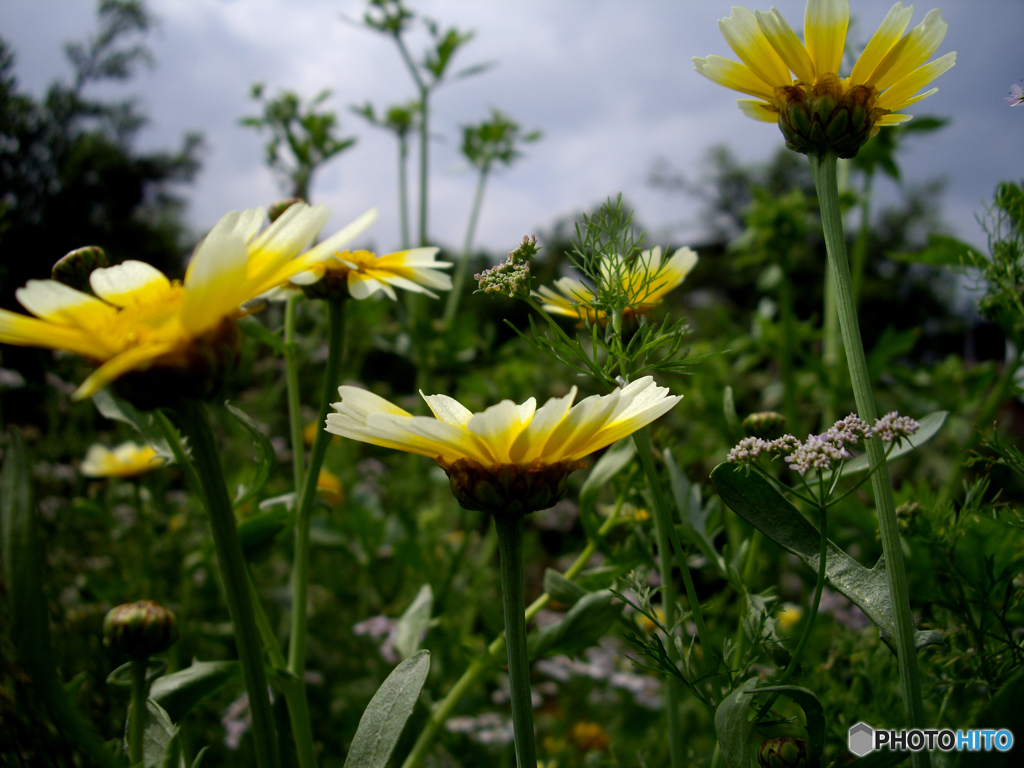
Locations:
1016 97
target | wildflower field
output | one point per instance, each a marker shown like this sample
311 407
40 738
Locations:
270 497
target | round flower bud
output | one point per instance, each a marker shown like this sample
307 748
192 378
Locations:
276 209
140 629
822 118
783 752
509 489
767 424
73 268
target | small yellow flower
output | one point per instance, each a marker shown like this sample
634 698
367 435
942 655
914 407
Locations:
789 617
589 737
645 282
508 458
330 487
797 84
361 274
139 320
126 460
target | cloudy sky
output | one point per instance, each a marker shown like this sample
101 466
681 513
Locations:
609 82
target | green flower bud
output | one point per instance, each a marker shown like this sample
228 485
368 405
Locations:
783 752
509 489
276 209
767 424
140 629
74 267
822 118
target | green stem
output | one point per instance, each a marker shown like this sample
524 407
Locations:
510 549
137 711
300 566
824 168
787 315
403 188
831 355
292 379
480 665
232 567
452 305
424 161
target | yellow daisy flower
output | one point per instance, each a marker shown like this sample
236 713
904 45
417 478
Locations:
140 320
126 460
330 487
789 617
797 84
645 282
509 458
361 274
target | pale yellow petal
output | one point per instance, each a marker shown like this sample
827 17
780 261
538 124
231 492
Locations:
758 110
881 42
285 239
530 444
893 119
132 282
448 409
745 37
135 359
215 283
785 42
900 94
335 242
25 331
59 303
498 427
825 24
733 75
358 403
362 286
910 52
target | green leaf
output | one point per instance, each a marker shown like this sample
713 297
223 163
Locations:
254 329
116 409
941 251
692 512
381 724
414 622
732 726
758 502
172 752
1003 711
158 737
584 624
930 426
732 421
614 460
258 532
561 589
180 692
814 714
29 617
199 757
265 459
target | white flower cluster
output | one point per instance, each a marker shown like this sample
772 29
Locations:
819 451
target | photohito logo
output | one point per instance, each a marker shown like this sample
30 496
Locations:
862 738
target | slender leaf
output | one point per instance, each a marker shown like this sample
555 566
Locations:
381 724
733 727
941 251
265 458
116 409
614 460
814 714
178 693
930 426
584 624
693 514
561 589
758 502
413 624
258 532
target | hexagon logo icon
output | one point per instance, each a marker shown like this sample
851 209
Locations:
861 739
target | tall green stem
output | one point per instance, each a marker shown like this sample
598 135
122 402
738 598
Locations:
787 314
137 711
454 296
403 188
300 566
480 665
510 550
824 168
292 380
232 568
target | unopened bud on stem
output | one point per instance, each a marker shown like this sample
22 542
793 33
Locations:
140 629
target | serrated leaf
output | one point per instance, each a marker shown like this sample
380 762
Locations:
561 589
941 251
381 724
264 459
732 726
180 692
814 715
413 624
584 624
930 426
158 736
116 409
758 502
614 460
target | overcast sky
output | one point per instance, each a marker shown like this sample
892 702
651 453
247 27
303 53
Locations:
610 84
